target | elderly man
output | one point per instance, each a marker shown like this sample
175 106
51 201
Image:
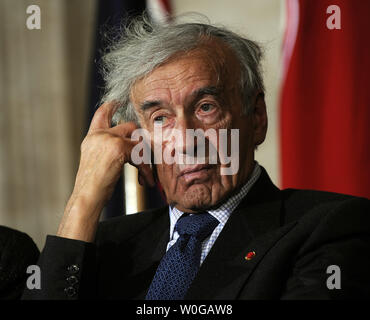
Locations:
223 236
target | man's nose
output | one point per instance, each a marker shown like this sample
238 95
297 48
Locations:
182 126
186 143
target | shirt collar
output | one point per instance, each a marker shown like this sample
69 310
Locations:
223 212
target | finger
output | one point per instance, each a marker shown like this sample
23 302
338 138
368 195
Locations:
147 174
141 179
144 168
124 129
103 116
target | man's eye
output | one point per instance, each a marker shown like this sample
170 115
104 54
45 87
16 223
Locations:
206 107
159 120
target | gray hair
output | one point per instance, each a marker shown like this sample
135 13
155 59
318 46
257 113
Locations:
144 45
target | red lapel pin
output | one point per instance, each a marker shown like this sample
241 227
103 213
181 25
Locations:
250 255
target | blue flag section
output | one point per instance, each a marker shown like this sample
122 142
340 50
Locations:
110 15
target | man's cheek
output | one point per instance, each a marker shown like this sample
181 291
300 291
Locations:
166 175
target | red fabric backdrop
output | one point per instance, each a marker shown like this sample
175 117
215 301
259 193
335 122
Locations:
325 99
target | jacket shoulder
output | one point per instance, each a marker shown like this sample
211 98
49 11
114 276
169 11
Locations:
125 227
331 230
300 203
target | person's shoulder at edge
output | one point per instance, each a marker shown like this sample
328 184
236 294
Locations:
311 205
124 227
17 252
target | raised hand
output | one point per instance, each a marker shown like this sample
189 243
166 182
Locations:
103 152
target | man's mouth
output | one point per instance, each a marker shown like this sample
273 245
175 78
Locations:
198 171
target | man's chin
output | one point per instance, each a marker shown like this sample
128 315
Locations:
196 198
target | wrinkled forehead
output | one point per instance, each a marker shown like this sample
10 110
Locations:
212 63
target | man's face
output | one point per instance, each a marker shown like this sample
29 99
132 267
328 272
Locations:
197 90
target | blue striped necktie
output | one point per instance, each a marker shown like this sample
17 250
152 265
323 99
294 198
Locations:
180 264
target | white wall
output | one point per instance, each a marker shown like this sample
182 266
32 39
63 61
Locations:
262 21
43 90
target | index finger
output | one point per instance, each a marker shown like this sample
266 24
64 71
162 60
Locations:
103 116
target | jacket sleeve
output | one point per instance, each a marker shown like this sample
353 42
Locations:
334 263
67 271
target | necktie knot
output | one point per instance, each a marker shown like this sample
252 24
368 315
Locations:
199 225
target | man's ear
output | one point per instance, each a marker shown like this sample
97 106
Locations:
259 118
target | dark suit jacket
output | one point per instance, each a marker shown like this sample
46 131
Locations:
296 235
17 252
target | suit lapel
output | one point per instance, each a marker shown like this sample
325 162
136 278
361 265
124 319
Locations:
147 249
252 227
